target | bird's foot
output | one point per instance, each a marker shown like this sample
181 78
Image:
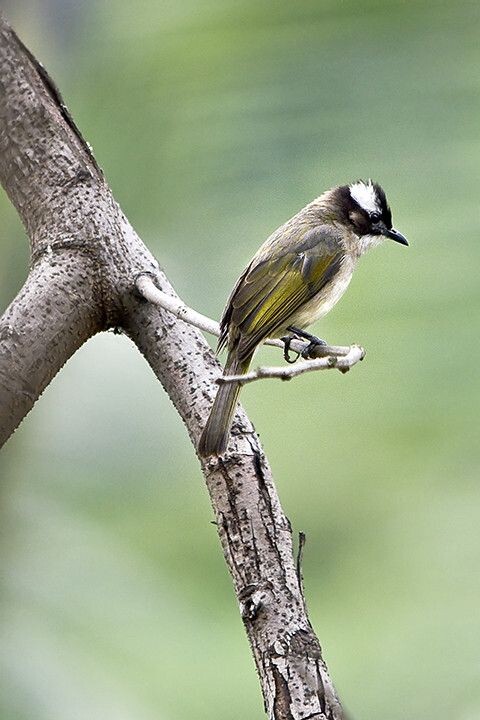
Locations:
287 341
313 342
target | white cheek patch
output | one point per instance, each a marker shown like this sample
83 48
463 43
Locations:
366 242
364 194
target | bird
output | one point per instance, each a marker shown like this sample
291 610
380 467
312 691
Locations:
295 278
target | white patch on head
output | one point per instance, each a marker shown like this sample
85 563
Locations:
365 195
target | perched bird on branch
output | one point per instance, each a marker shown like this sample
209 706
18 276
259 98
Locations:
295 278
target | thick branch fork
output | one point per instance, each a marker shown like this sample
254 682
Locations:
324 357
85 258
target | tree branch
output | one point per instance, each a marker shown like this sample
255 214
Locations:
86 257
353 356
147 289
255 534
83 251
334 356
52 316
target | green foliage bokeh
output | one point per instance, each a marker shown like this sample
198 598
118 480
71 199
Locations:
214 122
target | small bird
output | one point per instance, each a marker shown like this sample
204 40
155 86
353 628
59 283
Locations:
295 278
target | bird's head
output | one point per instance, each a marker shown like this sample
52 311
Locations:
363 207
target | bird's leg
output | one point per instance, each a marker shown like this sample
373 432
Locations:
287 340
313 340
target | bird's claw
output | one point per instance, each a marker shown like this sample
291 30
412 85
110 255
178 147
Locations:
287 341
314 342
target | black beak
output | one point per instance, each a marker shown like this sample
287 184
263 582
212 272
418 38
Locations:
397 236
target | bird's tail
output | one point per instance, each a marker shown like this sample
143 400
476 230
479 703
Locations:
214 438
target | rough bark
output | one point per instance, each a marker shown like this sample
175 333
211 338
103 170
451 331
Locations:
85 258
51 317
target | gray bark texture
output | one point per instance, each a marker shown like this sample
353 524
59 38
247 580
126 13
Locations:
85 257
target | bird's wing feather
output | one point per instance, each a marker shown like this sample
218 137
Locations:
278 282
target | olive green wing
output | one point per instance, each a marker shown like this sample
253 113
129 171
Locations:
275 286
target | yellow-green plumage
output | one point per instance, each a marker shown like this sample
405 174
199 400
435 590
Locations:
279 281
296 277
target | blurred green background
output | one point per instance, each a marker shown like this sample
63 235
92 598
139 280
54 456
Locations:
215 122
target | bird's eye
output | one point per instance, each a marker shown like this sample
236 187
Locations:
375 217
